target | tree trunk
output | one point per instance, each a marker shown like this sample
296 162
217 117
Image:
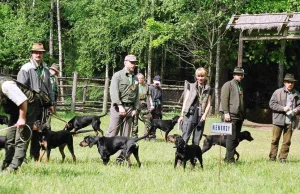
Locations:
51 29
150 48
149 61
163 64
217 80
75 78
281 61
59 48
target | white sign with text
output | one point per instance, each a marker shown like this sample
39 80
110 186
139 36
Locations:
222 128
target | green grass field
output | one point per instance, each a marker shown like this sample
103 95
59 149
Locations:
253 173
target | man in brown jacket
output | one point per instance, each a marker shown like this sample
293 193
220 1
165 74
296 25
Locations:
232 110
285 103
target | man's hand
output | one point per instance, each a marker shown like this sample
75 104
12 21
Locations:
180 120
286 108
51 110
20 123
152 108
227 117
122 111
133 113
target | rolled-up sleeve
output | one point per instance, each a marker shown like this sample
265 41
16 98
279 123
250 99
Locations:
13 92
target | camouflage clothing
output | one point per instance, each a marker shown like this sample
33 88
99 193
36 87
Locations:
143 112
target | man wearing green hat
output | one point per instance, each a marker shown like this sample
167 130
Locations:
285 104
36 76
232 110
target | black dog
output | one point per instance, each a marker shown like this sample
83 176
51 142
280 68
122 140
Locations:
108 146
52 139
2 142
164 125
79 122
3 120
211 140
185 152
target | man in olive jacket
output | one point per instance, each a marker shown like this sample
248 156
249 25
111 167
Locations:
232 110
285 104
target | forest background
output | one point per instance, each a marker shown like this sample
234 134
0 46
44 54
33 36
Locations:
170 37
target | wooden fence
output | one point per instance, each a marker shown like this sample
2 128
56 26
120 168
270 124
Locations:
87 95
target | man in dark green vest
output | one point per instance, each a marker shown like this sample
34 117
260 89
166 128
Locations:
21 105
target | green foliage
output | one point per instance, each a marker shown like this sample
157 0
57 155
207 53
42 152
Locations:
20 26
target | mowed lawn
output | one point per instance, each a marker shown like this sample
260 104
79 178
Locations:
253 173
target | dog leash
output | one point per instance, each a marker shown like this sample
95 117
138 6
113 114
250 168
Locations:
53 115
25 141
125 119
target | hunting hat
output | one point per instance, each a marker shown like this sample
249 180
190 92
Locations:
130 58
238 70
289 77
38 47
55 67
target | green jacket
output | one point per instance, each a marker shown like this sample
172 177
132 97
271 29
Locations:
121 92
232 100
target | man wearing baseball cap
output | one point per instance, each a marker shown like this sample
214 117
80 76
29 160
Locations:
36 76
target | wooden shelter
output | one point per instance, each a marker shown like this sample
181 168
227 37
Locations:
274 26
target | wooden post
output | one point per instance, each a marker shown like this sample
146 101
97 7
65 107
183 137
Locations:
74 91
84 91
106 86
240 52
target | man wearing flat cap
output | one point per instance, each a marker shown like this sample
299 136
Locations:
232 110
124 98
36 76
285 104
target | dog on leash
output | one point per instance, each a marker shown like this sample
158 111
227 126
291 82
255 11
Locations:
108 146
211 140
164 125
79 122
52 139
185 152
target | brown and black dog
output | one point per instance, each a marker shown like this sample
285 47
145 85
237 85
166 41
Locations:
79 122
164 125
52 139
211 140
185 152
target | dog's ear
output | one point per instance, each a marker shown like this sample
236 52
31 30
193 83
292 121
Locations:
93 141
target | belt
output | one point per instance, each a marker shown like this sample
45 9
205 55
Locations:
127 104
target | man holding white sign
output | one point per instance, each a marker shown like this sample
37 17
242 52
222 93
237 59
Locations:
232 110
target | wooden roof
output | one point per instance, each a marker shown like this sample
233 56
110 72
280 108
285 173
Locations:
275 25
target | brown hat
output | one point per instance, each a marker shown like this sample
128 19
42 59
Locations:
130 58
238 70
38 47
289 77
55 67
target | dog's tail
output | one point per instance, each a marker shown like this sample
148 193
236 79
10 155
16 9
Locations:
140 138
80 131
103 114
